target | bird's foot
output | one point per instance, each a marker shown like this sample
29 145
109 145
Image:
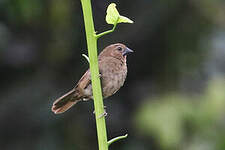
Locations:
100 75
104 114
85 99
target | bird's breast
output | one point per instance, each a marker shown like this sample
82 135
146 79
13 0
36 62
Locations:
113 77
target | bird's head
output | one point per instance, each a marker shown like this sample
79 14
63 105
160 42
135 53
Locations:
118 50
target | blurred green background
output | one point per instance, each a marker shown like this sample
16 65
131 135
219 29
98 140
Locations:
174 95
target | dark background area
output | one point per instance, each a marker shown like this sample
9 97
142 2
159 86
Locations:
174 95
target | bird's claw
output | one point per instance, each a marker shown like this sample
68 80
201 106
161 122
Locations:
100 75
104 114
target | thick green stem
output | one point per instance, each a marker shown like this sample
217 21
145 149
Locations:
95 80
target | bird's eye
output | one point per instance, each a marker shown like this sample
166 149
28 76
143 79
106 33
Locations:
119 48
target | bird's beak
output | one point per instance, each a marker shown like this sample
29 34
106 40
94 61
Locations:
126 51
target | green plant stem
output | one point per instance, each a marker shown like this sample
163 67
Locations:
116 139
106 32
86 57
95 80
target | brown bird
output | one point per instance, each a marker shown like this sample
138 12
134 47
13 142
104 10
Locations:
113 72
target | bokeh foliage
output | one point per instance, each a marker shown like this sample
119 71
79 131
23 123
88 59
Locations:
184 122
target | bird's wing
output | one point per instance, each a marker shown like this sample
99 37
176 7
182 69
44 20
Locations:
85 80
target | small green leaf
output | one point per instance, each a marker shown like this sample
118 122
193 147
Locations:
123 19
113 16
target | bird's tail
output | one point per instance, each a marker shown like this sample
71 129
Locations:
66 101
